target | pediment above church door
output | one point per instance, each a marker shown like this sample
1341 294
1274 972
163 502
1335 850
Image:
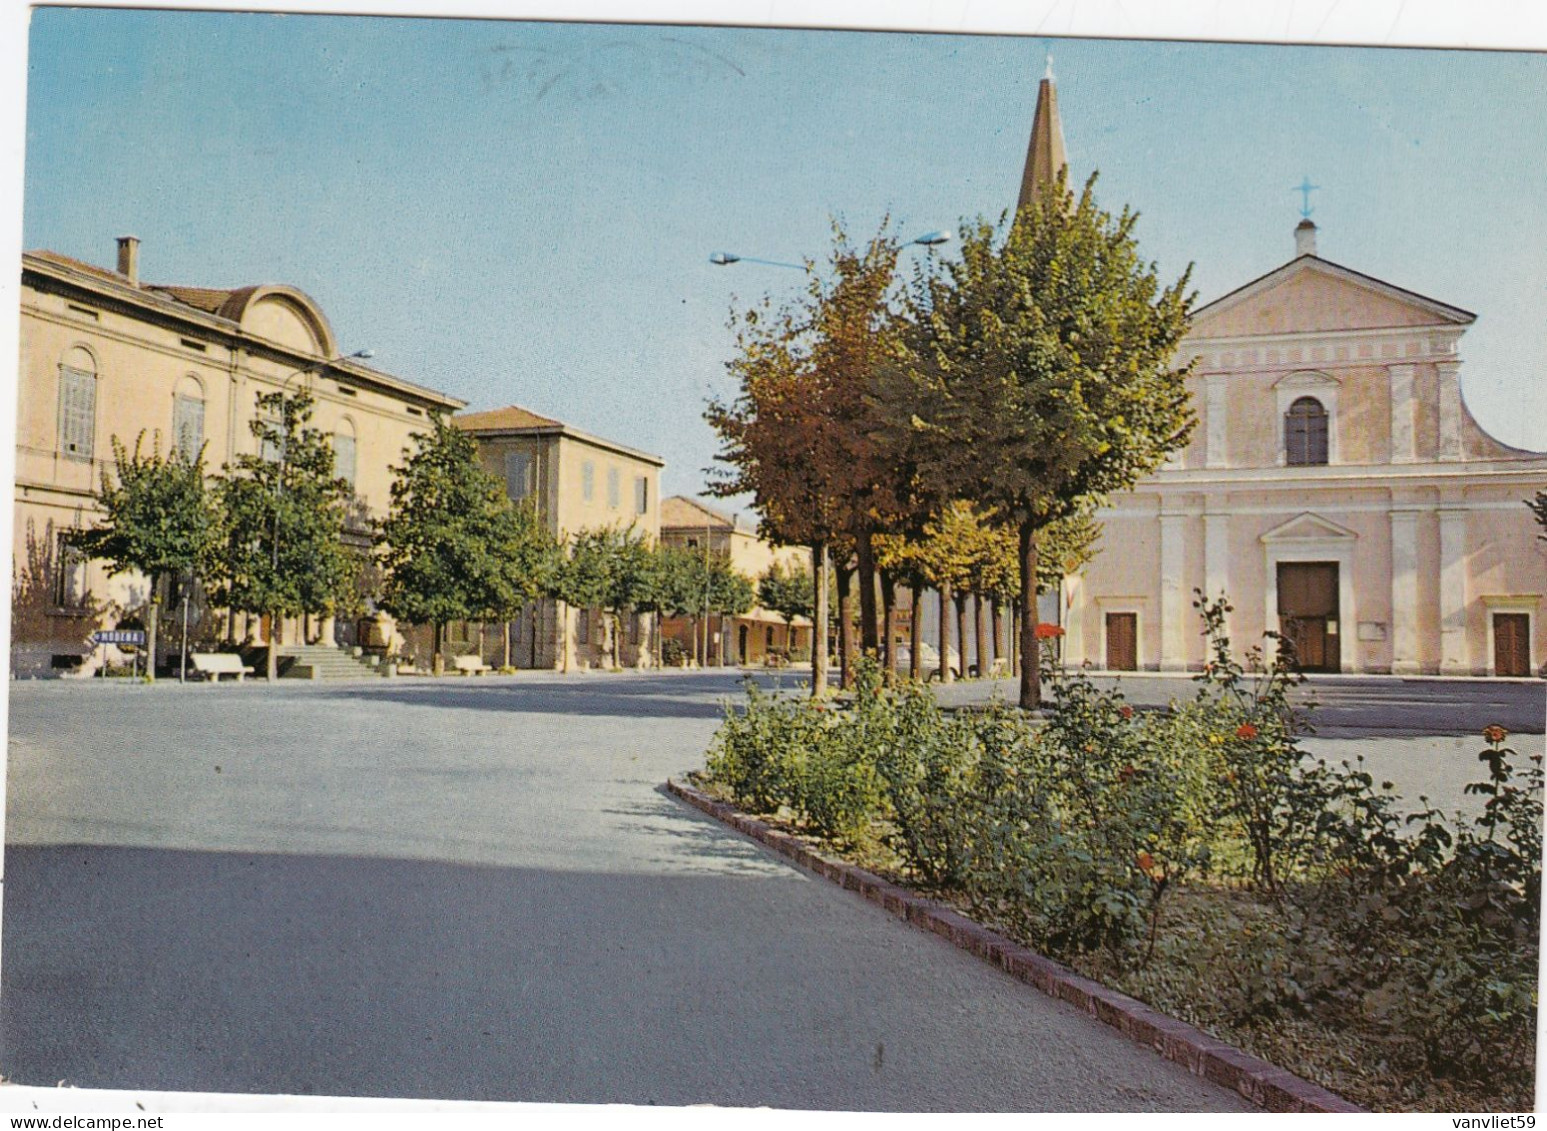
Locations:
1308 527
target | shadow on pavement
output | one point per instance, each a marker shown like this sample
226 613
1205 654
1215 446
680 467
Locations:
232 972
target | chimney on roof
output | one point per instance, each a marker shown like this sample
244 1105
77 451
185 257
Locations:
129 258
1305 238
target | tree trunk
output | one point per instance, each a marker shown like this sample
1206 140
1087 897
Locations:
946 674
888 625
273 664
915 629
960 603
437 662
1015 637
868 635
152 621
563 641
979 630
819 621
1031 674
845 635
996 611
506 664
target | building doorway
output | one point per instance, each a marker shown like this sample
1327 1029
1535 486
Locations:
1308 613
1123 642
1511 644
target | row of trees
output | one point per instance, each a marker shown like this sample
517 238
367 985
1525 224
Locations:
1013 390
267 536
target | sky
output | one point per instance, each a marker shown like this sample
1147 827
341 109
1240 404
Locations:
524 212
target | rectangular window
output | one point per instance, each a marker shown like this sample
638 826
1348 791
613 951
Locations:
518 474
77 412
344 459
583 627
614 488
188 425
588 481
641 495
633 628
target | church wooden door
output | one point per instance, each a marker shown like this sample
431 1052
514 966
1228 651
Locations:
1511 648
1122 642
1308 612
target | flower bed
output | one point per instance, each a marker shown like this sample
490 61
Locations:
1197 860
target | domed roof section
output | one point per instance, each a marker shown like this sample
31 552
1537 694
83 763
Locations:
272 311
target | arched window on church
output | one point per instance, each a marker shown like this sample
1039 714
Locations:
1305 433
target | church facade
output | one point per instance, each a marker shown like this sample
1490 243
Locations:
1335 488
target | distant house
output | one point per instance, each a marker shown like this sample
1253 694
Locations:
577 481
105 354
761 633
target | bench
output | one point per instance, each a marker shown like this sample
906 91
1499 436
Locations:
469 665
217 664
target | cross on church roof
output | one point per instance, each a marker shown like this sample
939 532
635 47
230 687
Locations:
1305 188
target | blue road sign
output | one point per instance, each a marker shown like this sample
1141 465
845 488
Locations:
121 636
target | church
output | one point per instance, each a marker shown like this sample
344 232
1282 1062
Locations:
1336 489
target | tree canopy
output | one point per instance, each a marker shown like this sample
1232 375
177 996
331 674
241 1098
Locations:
453 546
157 519
1036 376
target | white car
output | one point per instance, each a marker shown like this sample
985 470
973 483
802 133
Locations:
929 659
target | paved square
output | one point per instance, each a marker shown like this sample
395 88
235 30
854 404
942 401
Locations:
475 890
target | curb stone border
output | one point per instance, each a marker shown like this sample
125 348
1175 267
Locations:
1264 1084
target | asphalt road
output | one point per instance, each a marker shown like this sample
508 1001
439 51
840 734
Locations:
474 889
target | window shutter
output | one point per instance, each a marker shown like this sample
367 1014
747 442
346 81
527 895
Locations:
344 458
188 425
77 412
641 495
518 475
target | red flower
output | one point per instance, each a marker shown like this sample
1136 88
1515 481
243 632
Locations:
1125 711
1246 731
1495 734
1126 773
1048 631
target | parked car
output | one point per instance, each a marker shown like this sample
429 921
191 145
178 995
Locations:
929 659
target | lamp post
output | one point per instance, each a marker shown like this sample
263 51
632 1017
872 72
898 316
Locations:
279 490
930 240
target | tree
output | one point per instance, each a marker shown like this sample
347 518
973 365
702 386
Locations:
1538 507
157 519
527 557
610 569
453 546
799 435
1037 373
692 583
788 593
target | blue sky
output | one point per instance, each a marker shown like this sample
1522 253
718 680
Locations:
523 213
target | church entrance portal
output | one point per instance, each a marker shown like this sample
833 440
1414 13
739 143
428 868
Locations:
1308 612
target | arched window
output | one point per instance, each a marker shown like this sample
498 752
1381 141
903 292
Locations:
1305 433
188 417
77 404
344 451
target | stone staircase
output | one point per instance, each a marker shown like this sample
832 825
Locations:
321 661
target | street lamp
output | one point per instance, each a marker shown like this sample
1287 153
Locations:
279 481
726 258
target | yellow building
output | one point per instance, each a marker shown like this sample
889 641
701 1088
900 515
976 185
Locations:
578 482
105 354
761 634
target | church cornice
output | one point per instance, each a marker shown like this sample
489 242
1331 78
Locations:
1324 349
1528 471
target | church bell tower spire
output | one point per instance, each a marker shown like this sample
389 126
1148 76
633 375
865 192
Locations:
1045 155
